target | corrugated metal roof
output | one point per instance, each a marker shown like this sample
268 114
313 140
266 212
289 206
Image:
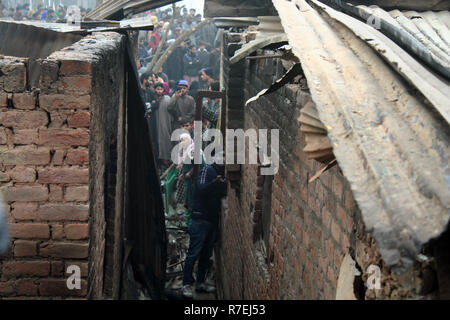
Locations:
428 28
421 37
134 7
224 22
238 8
57 27
88 26
421 5
118 9
392 147
412 68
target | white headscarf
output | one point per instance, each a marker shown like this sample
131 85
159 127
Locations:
186 148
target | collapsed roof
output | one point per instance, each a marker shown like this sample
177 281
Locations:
119 9
405 4
391 143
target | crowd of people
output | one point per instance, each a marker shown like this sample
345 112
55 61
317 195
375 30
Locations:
200 50
170 94
44 14
170 91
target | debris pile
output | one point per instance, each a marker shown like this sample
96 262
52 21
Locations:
177 234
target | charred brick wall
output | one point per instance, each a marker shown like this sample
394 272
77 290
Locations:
312 225
56 147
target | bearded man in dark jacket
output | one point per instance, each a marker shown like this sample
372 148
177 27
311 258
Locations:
210 188
191 64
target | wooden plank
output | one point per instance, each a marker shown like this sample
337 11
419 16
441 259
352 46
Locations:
304 119
309 129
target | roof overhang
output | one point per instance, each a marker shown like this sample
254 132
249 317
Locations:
238 8
405 4
85 27
119 9
392 147
241 22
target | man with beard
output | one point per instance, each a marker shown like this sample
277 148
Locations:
146 86
204 56
174 65
191 64
210 187
206 75
163 122
182 105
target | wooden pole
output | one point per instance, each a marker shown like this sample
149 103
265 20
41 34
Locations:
176 43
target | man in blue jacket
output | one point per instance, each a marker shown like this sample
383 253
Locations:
210 187
191 64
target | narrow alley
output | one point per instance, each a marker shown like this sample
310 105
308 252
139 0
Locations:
224 150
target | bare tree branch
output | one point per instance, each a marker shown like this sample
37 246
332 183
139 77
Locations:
177 42
163 41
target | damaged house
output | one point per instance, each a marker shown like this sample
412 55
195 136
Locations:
77 169
360 202
359 208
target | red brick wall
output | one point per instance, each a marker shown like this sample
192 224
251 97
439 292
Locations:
52 140
313 225
44 175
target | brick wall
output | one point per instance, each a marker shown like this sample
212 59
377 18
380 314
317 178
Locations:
55 204
45 179
312 225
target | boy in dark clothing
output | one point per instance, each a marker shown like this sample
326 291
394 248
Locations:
204 56
210 187
191 65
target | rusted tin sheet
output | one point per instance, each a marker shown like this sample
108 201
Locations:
110 9
406 4
86 27
422 38
238 8
226 22
391 146
429 29
286 78
434 88
119 9
134 7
